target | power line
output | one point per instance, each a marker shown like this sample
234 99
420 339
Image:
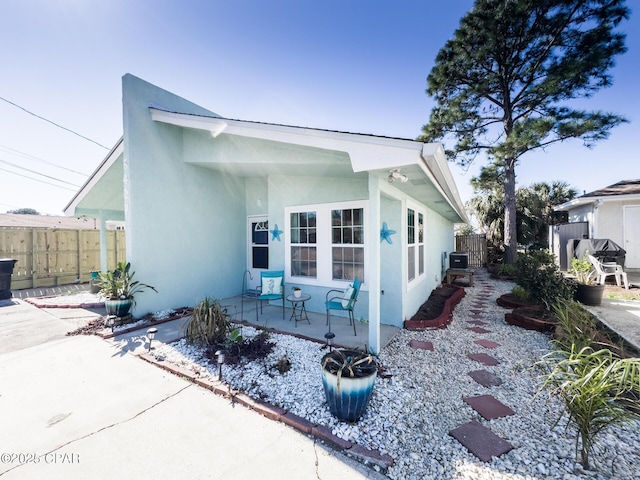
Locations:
37 180
53 123
10 150
38 173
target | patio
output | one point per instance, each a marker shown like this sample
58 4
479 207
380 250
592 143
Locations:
245 309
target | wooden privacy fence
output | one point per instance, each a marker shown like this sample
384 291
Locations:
48 257
476 246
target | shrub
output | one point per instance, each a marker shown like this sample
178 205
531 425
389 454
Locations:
209 323
596 387
538 274
576 326
520 293
506 269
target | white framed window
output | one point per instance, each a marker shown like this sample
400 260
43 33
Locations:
325 244
303 239
415 244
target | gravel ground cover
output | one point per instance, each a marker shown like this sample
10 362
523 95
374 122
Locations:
412 411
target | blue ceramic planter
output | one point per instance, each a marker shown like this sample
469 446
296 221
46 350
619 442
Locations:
119 308
348 397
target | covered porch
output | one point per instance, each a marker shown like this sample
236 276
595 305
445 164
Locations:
243 309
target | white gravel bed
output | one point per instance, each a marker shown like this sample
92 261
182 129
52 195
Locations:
70 299
411 413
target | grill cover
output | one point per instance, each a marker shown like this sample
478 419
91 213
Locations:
603 249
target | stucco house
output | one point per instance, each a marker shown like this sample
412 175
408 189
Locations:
611 212
205 198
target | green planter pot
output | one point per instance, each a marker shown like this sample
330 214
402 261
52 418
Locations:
348 397
119 308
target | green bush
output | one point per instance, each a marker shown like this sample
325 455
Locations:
538 274
520 293
209 323
576 326
506 269
596 387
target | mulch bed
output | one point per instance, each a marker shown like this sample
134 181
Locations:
434 305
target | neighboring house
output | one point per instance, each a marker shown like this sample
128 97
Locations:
206 198
610 213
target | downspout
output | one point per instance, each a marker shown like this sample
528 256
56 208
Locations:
594 223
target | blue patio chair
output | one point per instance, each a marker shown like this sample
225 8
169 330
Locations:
271 288
345 301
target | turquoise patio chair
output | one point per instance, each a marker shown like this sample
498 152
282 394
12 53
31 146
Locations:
271 288
345 301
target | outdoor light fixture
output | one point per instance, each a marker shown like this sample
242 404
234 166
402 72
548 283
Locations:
329 336
111 322
220 355
396 175
151 333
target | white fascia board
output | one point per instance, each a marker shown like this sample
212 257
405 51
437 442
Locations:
364 150
581 201
108 161
436 160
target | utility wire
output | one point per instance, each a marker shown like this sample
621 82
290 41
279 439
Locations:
38 173
13 150
37 180
53 123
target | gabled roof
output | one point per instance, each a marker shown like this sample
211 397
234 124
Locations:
624 187
623 190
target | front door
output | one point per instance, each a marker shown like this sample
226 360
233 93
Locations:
257 249
632 236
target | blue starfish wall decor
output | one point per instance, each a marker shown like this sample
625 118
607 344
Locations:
385 233
275 233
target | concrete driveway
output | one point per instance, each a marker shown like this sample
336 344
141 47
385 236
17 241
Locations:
80 407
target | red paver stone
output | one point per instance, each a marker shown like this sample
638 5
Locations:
485 378
478 322
421 345
488 407
478 329
476 311
480 441
486 343
484 359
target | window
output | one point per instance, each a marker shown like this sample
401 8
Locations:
302 228
415 244
347 244
325 244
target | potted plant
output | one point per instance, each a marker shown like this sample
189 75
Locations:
348 377
297 292
120 289
588 292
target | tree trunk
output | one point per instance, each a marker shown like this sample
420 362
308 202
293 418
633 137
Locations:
510 236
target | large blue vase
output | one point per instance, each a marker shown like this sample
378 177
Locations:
348 397
119 308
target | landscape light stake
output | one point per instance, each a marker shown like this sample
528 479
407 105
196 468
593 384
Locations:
151 333
220 355
329 336
111 322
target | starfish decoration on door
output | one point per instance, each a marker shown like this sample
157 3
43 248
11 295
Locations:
275 233
385 233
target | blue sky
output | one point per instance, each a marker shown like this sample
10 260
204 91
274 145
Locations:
349 65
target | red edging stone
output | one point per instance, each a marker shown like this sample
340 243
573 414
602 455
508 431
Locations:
442 320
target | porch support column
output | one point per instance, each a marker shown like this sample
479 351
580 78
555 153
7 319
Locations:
373 279
103 241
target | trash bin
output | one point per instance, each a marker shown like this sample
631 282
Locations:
6 270
95 282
